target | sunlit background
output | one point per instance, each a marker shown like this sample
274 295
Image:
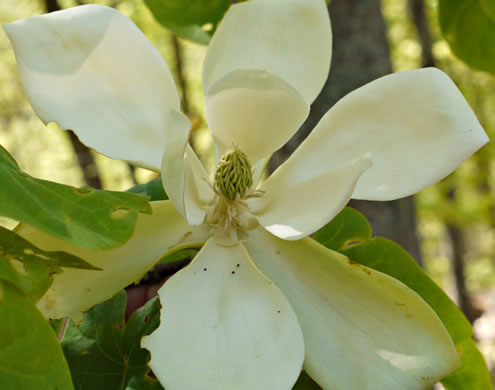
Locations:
455 218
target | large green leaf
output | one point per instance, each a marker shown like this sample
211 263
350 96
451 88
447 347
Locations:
30 268
104 352
185 17
473 374
469 28
88 218
30 355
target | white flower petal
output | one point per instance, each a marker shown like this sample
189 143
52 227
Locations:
291 39
224 325
254 110
295 211
75 290
416 124
259 170
184 177
91 70
197 189
362 329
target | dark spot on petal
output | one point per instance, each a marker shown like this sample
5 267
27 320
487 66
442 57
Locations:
204 269
278 311
233 272
238 265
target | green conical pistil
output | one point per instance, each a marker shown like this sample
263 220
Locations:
233 175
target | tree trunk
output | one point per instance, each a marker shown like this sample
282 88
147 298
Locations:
360 55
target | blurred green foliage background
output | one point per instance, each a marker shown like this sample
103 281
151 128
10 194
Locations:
459 210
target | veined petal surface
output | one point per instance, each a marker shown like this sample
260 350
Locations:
362 329
91 70
75 290
255 111
224 325
291 39
416 124
294 212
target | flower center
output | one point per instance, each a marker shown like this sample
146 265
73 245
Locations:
228 213
233 175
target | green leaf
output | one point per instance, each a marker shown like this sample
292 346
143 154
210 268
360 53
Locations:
176 256
469 28
30 268
473 374
13 245
188 12
88 218
33 277
9 274
104 352
30 355
192 33
304 382
388 257
154 189
349 226
185 17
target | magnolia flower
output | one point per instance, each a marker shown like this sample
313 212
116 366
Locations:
261 300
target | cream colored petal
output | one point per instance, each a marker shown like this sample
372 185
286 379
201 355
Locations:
184 177
198 190
91 70
293 212
259 170
416 124
224 325
291 39
76 290
254 110
362 329
173 166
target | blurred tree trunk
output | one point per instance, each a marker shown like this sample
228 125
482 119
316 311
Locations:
420 20
360 55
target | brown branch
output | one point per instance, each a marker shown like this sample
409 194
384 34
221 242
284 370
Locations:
179 66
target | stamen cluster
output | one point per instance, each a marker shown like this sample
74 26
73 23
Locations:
233 176
228 213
